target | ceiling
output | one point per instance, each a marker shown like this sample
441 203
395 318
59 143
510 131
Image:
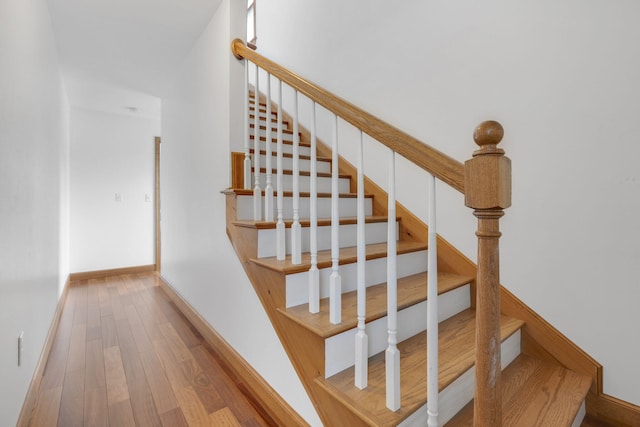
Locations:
117 54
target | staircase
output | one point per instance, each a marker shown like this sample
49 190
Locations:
536 390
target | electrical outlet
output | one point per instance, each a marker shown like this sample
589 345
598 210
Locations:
118 197
20 347
147 198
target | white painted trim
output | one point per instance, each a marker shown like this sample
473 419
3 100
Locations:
348 207
377 233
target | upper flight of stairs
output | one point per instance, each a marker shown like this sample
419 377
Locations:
535 392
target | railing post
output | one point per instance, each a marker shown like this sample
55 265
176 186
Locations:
247 140
257 191
268 187
487 180
281 248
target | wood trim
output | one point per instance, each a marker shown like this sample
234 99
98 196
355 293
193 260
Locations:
99 274
433 161
34 388
558 346
156 218
613 410
237 170
259 391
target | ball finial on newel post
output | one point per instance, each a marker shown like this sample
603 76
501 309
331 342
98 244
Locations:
488 135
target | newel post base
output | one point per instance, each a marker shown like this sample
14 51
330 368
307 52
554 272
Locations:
487 180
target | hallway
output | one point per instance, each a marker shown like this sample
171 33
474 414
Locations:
125 356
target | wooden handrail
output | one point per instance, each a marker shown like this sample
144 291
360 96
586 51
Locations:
433 161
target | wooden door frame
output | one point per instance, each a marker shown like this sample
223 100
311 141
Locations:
157 204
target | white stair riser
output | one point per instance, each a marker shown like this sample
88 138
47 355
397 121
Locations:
287 164
339 354
262 114
263 133
577 422
262 122
347 207
375 232
297 285
323 183
286 148
460 392
262 108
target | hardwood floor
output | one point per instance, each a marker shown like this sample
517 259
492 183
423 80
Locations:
125 356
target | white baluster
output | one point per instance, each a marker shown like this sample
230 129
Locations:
268 189
296 229
314 274
247 142
280 229
392 354
335 281
432 311
257 192
362 340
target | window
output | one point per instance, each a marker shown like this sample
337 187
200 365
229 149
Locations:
251 24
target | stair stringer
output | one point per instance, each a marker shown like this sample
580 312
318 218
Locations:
305 349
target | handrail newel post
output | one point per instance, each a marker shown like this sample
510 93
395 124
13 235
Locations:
487 183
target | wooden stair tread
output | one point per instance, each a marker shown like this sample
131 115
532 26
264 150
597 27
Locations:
289 155
252 101
456 353
266 225
263 127
303 173
245 192
535 393
284 141
347 256
411 290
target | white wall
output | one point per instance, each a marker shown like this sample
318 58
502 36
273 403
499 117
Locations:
34 140
562 79
112 153
198 259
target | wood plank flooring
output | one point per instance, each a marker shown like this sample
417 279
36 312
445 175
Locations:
125 356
